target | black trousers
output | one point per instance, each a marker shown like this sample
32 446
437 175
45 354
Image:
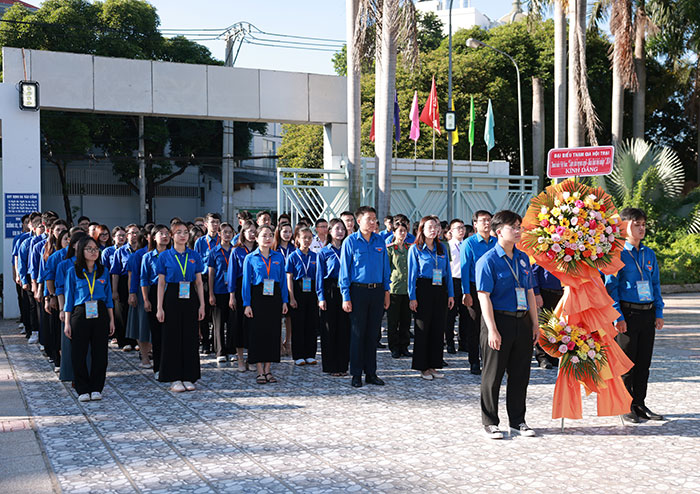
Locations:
55 330
240 329
460 310
44 329
205 325
305 322
179 359
265 327
223 320
638 345
398 322
92 333
121 313
474 330
33 313
430 325
335 330
156 327
22 303
365 324
513 358
550 299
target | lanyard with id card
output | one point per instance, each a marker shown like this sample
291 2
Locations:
437 272
643 286
268 284
520 295
184 291
226 258
306 280
91 311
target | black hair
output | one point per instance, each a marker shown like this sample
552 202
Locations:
331 224
80 263
320 220
195 233
456 220
93 223
468 230
83 218
34 215
241 237
479 213
157 228
175 219
362 210
261 214
347 213
389 217
212 216
503 218
53 243
74 239
25 217
244 215
634 214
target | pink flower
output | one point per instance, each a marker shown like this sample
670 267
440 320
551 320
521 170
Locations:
574 359
571 345
544 223
566 339
591 353
556 237
555 248
579 203
611 238
581 247
551 254
562 349
560 230
567 258
552 339
608 230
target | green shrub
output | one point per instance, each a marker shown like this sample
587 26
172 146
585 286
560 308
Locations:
678 255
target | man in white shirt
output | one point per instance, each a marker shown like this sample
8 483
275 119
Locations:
456 233
319 241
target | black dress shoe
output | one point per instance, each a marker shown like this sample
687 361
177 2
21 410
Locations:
462 349
395 354
445 364
475 369
451 350
381 345
406 353
643 412
374 380
631 417
356 381
545 364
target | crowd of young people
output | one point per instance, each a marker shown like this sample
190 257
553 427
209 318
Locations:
175 292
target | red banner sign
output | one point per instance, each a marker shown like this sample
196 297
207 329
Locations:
580 162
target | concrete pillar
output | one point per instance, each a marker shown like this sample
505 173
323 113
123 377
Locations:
335 146
21 174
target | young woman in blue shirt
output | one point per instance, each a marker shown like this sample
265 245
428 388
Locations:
431 295
50 299
52 341
89 318
159 243
180 307
265 297
222 315
301 280
283 244
137 326
335 322
120 282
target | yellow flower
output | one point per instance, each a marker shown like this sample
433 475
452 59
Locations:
556 212
585 348
564 222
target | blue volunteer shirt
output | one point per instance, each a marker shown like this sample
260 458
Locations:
23 260
61 271
16 242
495 277
328 267
108 257
238 254
622 287
133 267
301 265
363 262
35 250
78 290
149 268
171 263
410 238
286 251
422 261
204 246
121 260
51 266
471 250
543 279
255 271
220 260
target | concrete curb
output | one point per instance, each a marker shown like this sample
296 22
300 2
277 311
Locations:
688 288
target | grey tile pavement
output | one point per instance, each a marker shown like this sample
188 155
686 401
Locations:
314 433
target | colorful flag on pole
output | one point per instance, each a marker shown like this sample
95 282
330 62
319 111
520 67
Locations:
472 117
489 138
414 116
397 124
371 131
455 134
430 115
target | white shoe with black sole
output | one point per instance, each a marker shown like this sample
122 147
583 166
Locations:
493 432
523 430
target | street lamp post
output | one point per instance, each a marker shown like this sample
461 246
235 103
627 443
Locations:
475 43
449 108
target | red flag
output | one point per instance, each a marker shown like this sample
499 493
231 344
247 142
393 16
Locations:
430 115
371 132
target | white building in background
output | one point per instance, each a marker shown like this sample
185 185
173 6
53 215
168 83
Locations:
465 16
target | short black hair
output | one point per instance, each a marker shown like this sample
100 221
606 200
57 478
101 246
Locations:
479 213
503 218
362 210
401 217
34 215
244 215
347 213
456 220
634 214
83 218
94 223
389 217
320 220
262 213
213 216
25 217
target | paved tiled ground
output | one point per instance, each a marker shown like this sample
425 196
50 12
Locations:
314 433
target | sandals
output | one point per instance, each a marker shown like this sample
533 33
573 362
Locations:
270 378
261 379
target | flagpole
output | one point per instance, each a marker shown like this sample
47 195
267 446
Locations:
415 151
470 153
433 146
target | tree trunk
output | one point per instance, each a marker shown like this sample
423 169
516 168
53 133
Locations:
574 112
538 129
150 193
618 104
384 110
639 101
559 75
61 167
354 162
143 207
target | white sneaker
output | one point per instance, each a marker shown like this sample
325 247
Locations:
21 325
493 432
221 358
438 375
524 430
95 396
178 387
427 376
84 397
57 369
311 361
189 386
22 330
34 338
232 358
127 348
156 375
300 361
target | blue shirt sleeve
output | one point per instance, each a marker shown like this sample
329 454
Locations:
656 286
611 285
283 285
464 267
320 275
70 291
447 273
344 278
412 271
387 271
232 271
484 276
247 281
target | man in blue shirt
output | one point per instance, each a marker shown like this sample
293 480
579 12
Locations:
636 290
16 241
364 283
470 252
504 284
204 246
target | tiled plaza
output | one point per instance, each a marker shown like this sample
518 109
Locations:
314 433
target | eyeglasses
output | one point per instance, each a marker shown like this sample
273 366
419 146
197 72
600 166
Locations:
92 250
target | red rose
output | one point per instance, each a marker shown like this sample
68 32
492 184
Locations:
569 251
544 223
571 345
602 209
612 246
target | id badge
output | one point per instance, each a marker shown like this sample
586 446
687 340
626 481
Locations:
437 277
644 291
91 309
306 284
268 287
184 289
521 298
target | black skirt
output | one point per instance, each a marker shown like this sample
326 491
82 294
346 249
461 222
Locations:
179 359
335 330
429 329
265 327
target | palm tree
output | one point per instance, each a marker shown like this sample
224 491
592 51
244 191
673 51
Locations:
622 59
394 22
354 162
